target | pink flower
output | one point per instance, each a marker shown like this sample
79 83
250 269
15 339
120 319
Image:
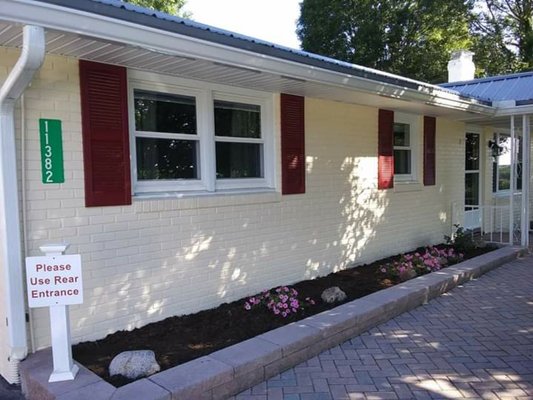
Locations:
247 306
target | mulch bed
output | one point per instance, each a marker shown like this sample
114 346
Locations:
177 340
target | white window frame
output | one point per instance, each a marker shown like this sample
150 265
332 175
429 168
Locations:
506 192
414 132
205 94
266 116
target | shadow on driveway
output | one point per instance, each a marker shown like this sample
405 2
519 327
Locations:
10 392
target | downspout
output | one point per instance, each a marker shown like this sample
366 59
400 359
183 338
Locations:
30 60
24 212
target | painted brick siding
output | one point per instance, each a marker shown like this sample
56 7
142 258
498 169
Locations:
162 257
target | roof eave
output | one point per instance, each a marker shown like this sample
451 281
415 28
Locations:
103 27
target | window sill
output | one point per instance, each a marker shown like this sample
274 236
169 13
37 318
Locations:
407 186
168 201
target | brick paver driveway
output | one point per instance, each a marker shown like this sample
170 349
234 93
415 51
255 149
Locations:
475 342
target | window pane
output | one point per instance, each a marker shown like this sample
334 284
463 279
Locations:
401 135
166 159
504 163
472 189
402 162
239 160
519 176
504 177
472 152
505 157
237 119
159 112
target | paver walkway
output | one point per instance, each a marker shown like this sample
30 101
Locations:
475 342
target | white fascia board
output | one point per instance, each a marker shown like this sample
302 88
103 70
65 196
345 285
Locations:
514 110
114 30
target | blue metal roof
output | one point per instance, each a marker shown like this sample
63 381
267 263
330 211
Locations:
159 20
518 87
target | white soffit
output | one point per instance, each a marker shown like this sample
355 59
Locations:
99 50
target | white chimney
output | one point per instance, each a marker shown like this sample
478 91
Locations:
461 67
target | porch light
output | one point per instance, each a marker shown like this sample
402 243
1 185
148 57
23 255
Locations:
496 149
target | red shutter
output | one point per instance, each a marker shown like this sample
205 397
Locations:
429 151
106 153
385 149
292 144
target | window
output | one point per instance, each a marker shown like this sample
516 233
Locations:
472 170
502 164
166 136
402 149
199 138
238 140
404 142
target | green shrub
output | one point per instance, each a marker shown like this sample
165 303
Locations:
463 240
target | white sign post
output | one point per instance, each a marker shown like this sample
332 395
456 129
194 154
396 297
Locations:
55 281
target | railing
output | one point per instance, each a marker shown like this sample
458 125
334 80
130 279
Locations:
492 223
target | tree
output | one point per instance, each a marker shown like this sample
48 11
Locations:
503 32
413 38
172 7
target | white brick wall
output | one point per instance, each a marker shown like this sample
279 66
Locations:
162 257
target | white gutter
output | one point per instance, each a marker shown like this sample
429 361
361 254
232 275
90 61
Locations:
119 31
29 62
508 110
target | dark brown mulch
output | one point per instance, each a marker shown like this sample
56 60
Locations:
176 340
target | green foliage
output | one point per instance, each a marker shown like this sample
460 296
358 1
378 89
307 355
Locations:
503 36
411 38
462 240
415 38
172 7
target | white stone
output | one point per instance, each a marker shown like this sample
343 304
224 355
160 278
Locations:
134 364
333 295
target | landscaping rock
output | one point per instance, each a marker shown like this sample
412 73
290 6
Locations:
134 364
408 274
333 295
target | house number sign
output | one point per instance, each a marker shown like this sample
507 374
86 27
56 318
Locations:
51 151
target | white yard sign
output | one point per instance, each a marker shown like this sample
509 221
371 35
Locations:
54 280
